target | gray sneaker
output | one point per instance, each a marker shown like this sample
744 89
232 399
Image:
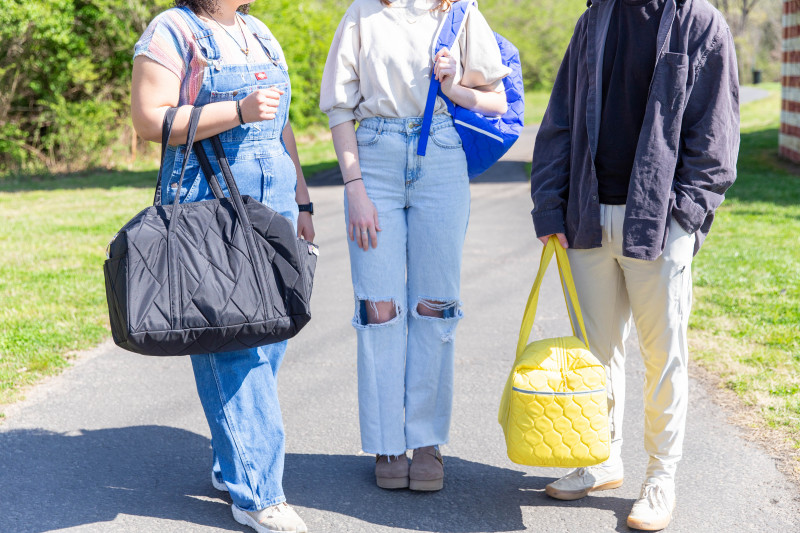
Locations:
653 510
275 519
582 481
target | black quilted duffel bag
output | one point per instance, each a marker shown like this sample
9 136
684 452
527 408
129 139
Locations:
210 276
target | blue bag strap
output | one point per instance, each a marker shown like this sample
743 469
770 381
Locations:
445 38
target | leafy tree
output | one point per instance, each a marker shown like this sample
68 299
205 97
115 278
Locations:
540 29
65 79
65 67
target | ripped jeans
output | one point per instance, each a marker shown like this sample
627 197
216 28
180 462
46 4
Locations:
407 289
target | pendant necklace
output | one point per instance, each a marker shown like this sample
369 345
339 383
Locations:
413 13
245 50
412 19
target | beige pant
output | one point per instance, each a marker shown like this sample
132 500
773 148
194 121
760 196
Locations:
658 295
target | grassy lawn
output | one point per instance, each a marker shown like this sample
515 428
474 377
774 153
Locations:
746 317
52 246
535 105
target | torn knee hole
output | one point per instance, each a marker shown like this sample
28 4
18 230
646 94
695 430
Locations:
437 308
369 312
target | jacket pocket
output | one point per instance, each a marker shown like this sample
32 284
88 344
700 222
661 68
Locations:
669 81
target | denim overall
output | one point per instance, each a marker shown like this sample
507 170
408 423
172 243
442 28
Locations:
238 390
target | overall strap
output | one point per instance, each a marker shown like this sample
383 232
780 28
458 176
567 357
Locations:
553 246
265 38
202 33
446 36
166 130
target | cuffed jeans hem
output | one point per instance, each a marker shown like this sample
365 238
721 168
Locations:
255 507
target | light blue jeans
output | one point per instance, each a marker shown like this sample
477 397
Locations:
405 364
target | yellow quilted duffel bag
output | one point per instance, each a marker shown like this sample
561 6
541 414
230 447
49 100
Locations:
554 410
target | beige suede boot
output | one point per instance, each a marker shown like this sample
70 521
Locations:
427 469
391 471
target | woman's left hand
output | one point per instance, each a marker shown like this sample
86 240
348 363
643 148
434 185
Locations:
305 226
444 69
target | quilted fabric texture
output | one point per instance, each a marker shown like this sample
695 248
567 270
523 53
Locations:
198 289
484 139
556 408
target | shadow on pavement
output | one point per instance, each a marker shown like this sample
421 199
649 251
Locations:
476 497
54 481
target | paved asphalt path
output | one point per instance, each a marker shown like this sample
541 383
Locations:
118 442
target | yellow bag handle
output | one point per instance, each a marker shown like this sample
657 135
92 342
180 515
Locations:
566 277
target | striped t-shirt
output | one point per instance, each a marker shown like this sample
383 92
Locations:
168 40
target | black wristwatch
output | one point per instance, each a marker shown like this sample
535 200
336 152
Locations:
306 207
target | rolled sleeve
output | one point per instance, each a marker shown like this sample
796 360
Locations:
550 170
164 43
710 139
481 62
340 89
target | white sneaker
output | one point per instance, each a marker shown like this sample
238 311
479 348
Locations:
653 510
276 519
219 485
582 481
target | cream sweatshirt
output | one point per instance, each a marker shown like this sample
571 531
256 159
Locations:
381 59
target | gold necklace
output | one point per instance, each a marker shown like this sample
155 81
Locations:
245 50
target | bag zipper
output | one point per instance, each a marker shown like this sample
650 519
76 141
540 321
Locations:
545 393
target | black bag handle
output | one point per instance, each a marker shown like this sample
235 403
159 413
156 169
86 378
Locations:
194 120
208 171
166 131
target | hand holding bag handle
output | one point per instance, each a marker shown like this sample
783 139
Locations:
566 278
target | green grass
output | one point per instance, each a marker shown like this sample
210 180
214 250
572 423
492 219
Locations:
535 105
52 245
316 152
746 318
